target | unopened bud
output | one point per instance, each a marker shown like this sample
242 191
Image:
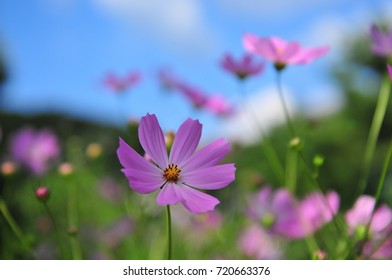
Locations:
296 143
8 168
65 169
319 255
169 138
42 193
94 150
318 160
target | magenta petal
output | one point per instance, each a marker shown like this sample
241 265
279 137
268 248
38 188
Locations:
389 71
381 219
361 212
308 55
185 141
169 195
210 178
207 156
152 140
196 201
250 42
144 181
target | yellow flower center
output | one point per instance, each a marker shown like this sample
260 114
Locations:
172 173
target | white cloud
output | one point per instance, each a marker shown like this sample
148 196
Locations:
271 8
256 116
176 23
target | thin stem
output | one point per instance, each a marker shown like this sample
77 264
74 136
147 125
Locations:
56 230
378 192
269 151
72 223
374 132
284 105
169 233
14 226
291 169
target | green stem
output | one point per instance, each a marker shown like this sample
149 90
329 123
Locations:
169 233
73 222
378 191
268 149
284 105
56 230
374 132
14 226
291 169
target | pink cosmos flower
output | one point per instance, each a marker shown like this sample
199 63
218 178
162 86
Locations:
277 212
218 105
281 52
379 248
381 41
242 68
168 80
359 216
120 84
196 96
178 174
316 210
255 243
35 150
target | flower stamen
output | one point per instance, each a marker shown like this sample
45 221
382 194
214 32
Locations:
172 173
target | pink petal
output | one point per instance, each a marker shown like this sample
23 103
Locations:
169 195
308 55
196 201
207 156
291 50
361 212
210 178
381 219
278 44
143 176
152 140
266 49
250 43
144 181
185 141
389 71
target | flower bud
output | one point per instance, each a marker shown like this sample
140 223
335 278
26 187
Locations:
42 193
295 144
65 169
94 150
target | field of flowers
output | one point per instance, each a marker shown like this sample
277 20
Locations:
311 189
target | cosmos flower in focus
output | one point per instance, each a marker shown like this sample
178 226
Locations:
381 41
282 52
243 68
35 150
178 174
121 84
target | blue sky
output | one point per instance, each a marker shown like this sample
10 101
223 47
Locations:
57 52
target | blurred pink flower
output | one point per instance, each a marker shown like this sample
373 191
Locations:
196 96
281 52
114 234
218 105
110 190
168 80
35 150
381 41
389 71
316 210
177 174
255 243
277 212
379 248
121 84
243 68
359 216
